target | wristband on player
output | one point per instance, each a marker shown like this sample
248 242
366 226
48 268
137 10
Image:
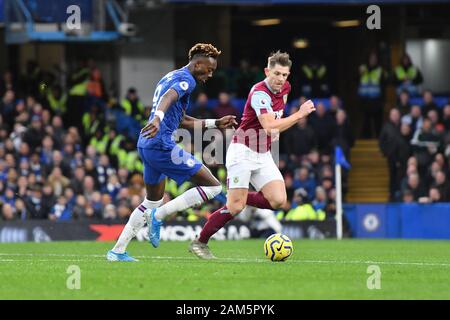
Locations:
160 115
210 123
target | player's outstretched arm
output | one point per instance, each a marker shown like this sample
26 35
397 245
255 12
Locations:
275 126
152 128
226 122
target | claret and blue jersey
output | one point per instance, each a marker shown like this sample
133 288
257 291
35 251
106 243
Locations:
160 154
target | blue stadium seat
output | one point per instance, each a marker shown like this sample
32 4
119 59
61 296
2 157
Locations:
440 101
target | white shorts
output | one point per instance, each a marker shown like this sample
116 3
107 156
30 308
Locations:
245 166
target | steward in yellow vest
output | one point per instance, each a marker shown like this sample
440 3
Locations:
407 76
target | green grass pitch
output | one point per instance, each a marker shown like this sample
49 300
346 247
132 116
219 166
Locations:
318 269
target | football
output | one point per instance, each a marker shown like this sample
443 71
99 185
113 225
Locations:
278 247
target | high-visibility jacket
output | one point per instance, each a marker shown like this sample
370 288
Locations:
89 126
128 108
305 212
58 106
114 148
401 74
130 160
80 88
99 144
370 82
309 72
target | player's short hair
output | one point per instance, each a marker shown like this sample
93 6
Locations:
281 58
205 50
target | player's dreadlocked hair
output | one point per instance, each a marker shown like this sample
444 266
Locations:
204 49
281 58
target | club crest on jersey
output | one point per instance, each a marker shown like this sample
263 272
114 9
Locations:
190 163
285 98
184 85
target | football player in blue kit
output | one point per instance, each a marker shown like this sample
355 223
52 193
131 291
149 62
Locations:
163 158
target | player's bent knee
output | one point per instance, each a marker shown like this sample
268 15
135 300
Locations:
278 202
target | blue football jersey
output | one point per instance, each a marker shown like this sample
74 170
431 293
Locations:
183 83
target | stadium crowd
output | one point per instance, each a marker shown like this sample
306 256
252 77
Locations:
69 152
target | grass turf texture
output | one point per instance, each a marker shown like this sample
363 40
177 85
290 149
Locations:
325 269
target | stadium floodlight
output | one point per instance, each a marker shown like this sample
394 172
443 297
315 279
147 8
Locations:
346 23
266 22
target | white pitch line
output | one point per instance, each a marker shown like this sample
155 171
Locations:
237 260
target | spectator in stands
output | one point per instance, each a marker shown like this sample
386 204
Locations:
446 117
371 92
201 110
413 118
57 100
390 139
132 106
35 134
322 124
104 171
314 79
304 209
404 151
403 103
7 212
88 187
335 105
429 104
58 181
425 145
407 76
303 180
8 107
320 199
437 127
95 86
342 134
76 103
225 107
92 122
21 210
414 184
441 182
60 210
407 196
306 137
7 82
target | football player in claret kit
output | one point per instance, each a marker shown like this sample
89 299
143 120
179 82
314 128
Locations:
163 158
248 158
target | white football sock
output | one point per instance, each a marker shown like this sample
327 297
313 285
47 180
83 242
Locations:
190 198
135 223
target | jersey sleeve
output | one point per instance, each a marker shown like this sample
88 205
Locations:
261 102
183 86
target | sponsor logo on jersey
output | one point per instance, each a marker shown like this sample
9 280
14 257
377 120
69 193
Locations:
278 114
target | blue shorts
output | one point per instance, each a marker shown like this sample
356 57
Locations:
176 164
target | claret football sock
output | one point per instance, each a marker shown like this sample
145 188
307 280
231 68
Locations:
257 199
215 222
